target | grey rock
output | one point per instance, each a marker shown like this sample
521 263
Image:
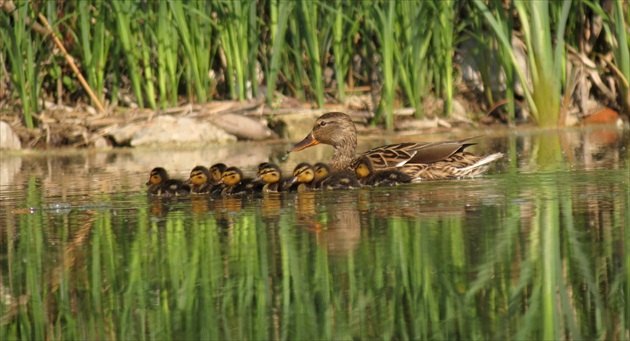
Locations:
300 123
123 134
243 127
8 139
167 130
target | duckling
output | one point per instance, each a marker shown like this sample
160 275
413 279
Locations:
367 176
304 175
160 184
200 180
216 171
271 175
234 183
325 179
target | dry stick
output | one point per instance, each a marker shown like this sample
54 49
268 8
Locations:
85 85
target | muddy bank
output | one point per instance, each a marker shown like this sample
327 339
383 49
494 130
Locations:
222 122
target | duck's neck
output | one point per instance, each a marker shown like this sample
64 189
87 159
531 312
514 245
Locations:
344 153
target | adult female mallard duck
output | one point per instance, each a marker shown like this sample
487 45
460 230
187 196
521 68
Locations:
271 175
235 183
160 185
387 177
420 160
200 181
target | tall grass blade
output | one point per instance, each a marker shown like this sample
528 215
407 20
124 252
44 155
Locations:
280 13
383 24
18 44
312 31
123 11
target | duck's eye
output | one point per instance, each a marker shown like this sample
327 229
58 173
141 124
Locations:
323 123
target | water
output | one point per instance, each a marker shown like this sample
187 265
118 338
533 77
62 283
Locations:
538 249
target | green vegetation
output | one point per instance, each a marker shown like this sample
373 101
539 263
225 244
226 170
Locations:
159 53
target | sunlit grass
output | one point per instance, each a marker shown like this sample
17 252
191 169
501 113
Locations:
172 51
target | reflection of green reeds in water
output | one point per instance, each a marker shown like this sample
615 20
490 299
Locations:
524 268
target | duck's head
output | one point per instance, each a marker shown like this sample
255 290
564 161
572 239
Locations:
335 129
198 176
157 176
269 173
303 173
363 167
216 171
322 170
231 176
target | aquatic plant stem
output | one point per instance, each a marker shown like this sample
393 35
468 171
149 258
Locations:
74 67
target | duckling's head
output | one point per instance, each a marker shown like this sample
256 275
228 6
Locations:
216 171
364 168
158 176
322 170
303 173
335 129
231 176
199 175
269 173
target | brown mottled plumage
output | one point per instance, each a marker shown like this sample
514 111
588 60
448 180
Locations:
420 160
304 175
387 177
162 186
235 183
200 181
327 179
271 175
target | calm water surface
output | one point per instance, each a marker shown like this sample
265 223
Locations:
536 249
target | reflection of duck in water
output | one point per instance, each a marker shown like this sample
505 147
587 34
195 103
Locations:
200 204
235 183
328 180
340 234
387 177
420 160
160 184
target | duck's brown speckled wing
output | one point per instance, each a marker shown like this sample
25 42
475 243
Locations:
402 154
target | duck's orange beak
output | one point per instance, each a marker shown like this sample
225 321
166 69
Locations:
308 141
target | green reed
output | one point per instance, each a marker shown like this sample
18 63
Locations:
546 60
443 43
488 52
128 38
238 34
345 29
615 25
164 52
383 24
413 52
196 35
20 47
167 56
95 42
314 34
279 13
